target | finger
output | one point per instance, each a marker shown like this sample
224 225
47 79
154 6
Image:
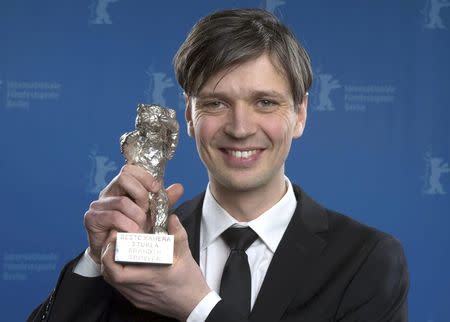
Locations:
176 229
174 192
123 205
112 272
126 184
118 274
108 269
143 176
98 221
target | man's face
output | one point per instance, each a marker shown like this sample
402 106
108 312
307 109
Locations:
243 121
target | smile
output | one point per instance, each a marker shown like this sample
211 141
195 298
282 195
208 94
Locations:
241 154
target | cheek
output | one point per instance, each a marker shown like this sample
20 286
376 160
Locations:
205 128
280 129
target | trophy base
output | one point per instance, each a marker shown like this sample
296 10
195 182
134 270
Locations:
144 248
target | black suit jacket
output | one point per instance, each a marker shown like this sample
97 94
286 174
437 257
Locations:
327 267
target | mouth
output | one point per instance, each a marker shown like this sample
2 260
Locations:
241 154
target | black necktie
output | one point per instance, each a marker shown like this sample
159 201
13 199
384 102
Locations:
235 286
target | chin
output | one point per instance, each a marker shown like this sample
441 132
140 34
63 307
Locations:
240 184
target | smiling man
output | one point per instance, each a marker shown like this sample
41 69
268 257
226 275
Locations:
253 246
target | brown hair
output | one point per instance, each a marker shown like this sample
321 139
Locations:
231 37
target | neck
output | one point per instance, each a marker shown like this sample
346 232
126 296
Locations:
247 205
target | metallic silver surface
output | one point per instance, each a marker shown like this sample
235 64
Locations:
153 143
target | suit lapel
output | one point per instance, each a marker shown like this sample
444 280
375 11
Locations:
294 263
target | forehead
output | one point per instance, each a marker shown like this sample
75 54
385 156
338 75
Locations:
259 74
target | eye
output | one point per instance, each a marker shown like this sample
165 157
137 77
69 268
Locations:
213 104
265 103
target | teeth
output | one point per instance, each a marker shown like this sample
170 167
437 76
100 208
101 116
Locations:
242 154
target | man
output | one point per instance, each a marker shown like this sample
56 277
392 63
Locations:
245 78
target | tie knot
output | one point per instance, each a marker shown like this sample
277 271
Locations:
239 238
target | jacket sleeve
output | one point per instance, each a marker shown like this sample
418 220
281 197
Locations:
224 313
378 291
75 298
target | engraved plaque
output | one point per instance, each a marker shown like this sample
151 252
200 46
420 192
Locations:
144 248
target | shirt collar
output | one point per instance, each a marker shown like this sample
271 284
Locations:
270 226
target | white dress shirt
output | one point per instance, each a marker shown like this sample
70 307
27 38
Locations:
269 226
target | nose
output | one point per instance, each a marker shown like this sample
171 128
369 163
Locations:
241 122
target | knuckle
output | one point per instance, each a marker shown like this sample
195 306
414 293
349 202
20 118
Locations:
93 204
96 205
88 214
88 217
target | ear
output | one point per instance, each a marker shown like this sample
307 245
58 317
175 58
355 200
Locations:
301 117
188 115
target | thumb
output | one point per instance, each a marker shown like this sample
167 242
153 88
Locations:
174 193
176 229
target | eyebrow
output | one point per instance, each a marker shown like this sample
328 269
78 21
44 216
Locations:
251 94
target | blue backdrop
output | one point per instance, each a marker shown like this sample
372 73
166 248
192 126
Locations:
376 146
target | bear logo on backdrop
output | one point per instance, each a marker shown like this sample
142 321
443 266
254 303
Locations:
325 85
158 82
330 94
435 168
432 13
101 166
99 12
